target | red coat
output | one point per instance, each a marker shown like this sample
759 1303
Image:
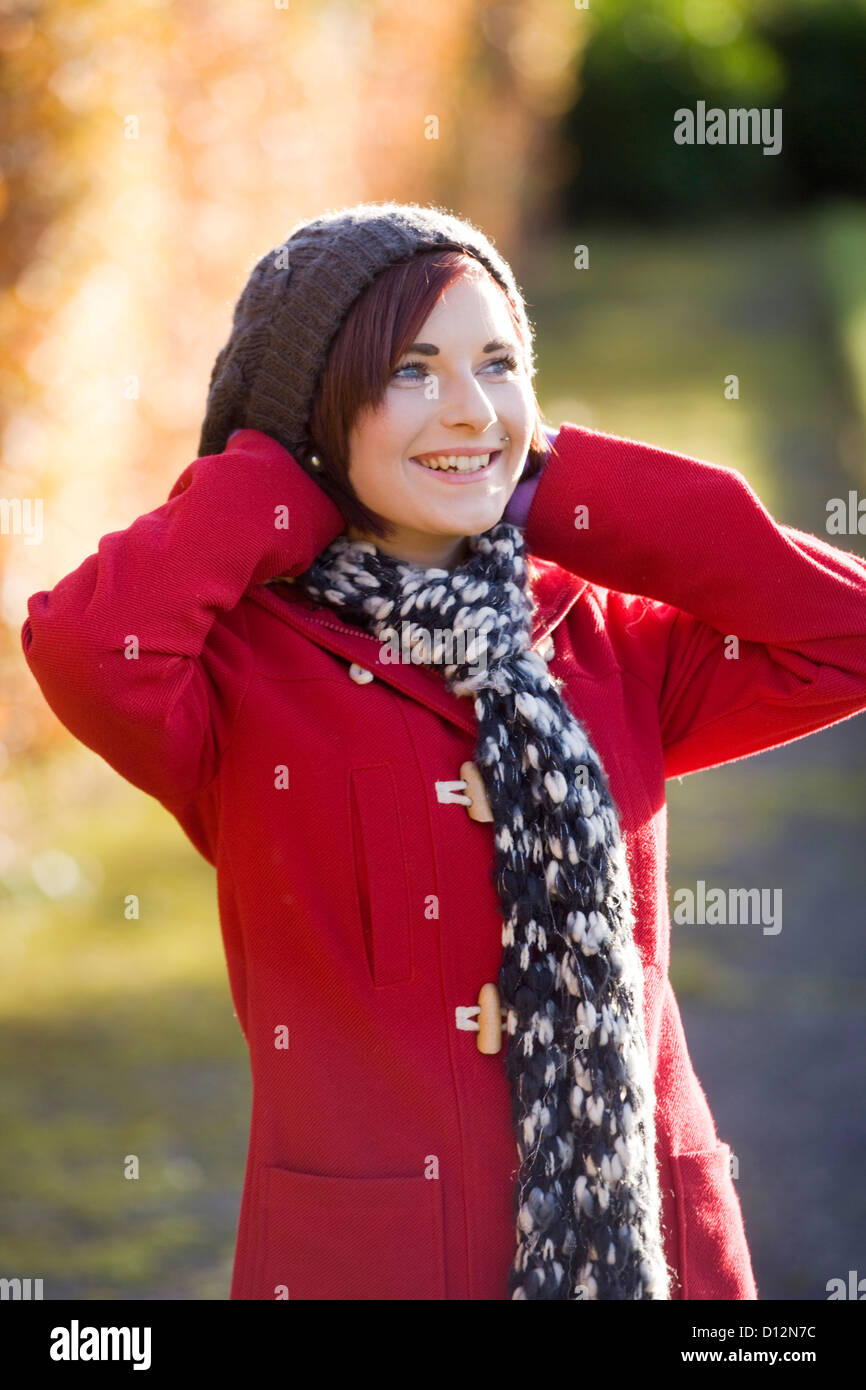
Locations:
357 908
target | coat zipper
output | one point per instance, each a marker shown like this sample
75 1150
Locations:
369 636
333 626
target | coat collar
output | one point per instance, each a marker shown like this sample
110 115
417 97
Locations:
554 591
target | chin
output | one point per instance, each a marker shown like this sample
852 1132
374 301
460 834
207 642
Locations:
471 525
458 515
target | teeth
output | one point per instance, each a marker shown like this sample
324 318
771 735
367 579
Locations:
457 463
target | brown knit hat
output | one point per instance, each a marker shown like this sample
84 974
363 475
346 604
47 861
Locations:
266 375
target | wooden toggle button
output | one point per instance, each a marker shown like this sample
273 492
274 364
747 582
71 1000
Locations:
480 807
489 1020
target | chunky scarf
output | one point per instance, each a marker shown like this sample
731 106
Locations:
588 1209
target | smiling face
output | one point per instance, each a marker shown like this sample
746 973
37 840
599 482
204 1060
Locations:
461 388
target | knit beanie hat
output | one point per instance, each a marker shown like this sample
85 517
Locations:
265 377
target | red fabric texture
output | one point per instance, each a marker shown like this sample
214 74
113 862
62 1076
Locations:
355 899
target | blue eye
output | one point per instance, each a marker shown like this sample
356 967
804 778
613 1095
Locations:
411 366
508 361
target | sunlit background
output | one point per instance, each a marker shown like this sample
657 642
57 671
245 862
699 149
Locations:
151 152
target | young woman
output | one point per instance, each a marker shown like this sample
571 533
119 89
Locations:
411 670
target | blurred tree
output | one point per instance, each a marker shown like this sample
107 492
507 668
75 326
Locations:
153 152
42 180
823 50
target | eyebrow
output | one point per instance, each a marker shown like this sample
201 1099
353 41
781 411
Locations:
430 349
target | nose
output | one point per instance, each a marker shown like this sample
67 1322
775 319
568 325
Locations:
465 404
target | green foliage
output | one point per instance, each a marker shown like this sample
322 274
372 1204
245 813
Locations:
645 61
840 250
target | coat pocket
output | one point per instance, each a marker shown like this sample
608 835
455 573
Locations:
350 1238
381 875
714 1260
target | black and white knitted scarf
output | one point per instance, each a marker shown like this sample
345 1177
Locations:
570 978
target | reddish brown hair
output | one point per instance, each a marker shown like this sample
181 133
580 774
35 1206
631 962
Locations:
363 356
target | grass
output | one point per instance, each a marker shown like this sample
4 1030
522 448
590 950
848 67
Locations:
120 1048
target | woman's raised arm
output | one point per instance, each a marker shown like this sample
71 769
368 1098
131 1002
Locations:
754 633
138 651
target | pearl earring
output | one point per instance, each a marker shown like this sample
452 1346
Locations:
316 461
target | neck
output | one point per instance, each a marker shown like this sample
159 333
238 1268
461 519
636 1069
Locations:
419 548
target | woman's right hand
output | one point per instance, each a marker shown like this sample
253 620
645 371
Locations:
142 651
